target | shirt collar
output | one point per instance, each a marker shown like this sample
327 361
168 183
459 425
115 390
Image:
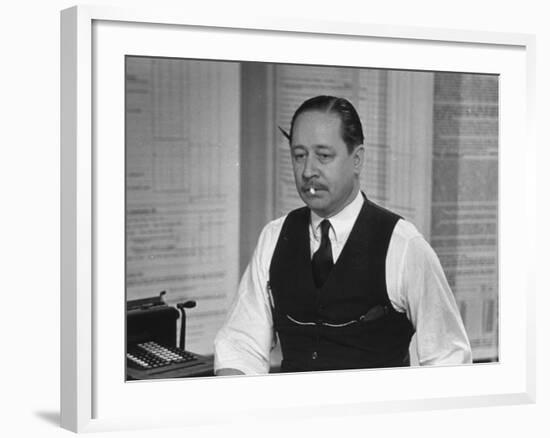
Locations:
342 222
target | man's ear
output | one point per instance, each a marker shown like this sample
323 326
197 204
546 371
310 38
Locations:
358 158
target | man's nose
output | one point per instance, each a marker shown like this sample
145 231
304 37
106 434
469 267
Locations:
310 168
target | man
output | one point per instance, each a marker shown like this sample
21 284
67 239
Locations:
343 283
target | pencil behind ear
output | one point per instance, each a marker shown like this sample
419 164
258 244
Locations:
286 134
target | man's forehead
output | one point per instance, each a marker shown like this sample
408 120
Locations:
315 127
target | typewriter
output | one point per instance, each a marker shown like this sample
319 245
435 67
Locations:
151 337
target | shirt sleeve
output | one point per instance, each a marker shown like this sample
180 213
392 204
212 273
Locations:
424 294
245 340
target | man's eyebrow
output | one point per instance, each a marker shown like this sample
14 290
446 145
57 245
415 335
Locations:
323 146
315 147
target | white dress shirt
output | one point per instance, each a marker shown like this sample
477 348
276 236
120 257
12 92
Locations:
415 283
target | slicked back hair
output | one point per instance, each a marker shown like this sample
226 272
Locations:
351 129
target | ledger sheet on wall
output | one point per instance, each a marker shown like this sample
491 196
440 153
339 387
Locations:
182 186
465 200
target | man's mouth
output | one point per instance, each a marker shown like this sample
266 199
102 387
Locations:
312 190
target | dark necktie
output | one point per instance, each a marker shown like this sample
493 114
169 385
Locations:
322 259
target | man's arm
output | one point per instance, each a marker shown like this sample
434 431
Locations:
243 344
426 297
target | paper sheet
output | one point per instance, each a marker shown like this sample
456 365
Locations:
182 185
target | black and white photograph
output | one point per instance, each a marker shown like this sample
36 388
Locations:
297 224
284 218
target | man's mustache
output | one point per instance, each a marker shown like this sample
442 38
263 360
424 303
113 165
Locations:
316 186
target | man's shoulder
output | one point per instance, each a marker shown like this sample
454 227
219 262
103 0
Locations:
407 239
271 230
373 206
405 231
275 224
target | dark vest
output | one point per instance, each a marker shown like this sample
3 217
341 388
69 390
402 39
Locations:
349 322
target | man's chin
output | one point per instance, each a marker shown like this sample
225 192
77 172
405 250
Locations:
316 204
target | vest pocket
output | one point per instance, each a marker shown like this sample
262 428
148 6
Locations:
374 313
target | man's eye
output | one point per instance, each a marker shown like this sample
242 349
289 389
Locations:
324 157
299 157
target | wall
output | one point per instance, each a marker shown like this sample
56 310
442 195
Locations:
30 195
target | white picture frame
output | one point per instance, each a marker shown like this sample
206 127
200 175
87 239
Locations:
94 396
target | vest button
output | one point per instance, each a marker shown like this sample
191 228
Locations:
314 355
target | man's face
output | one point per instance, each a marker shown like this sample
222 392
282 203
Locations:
321 161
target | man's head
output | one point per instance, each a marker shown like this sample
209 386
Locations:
326 142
